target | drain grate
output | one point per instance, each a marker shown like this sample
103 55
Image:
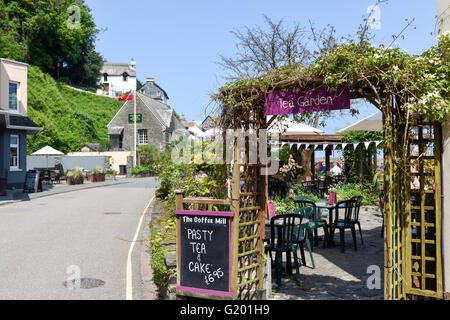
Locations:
85 283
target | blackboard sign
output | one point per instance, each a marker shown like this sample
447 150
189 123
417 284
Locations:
32 182
204 252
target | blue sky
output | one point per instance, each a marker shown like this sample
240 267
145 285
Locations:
179 42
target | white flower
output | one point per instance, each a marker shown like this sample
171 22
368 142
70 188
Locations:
396 68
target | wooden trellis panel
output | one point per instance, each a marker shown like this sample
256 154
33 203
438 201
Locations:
423 232
248 203
394 210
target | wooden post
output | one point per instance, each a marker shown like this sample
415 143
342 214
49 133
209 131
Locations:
327 166
235 205
313 163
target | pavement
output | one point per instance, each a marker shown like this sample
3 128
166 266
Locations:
16 195
351 275
74 242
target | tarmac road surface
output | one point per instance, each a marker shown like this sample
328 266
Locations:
74 245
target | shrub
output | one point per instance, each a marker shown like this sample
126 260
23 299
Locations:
141 169
345 191
97 170
147 155
75 173
110 171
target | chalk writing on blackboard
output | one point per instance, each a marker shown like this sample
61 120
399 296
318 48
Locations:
204 252
32 182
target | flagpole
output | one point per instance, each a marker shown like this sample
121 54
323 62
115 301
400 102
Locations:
135 131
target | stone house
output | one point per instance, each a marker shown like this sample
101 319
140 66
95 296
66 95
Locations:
209 123
152 90
14 122
156 125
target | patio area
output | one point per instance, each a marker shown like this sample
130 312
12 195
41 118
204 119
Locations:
339 276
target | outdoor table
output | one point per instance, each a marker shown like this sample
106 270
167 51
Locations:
330 208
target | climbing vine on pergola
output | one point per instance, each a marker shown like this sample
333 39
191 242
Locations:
408 89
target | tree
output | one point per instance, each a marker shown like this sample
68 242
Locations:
58 36
260 50
263 49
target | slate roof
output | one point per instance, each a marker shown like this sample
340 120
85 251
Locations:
164 112
161 111
117 69
117 130
92 146
18 122
152 90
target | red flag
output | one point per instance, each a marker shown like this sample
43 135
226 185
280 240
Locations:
129 96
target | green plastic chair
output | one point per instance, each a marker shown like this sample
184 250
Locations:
305 212
313 223
285 238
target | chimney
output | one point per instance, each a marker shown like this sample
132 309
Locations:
150 79
183 117
132 64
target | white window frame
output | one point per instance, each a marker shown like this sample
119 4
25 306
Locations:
17 147
17 97
142 136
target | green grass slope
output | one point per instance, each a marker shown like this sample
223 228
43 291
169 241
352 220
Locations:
69 118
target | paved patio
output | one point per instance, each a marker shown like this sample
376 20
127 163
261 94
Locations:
339 275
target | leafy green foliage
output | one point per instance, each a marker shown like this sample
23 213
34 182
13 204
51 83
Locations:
147 154
38 32
69 117
345 191
160 271
141 170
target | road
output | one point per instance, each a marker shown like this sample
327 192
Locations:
46 243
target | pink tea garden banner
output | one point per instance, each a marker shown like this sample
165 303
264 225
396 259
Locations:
320 99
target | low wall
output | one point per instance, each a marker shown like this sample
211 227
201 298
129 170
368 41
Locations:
119 158
68 162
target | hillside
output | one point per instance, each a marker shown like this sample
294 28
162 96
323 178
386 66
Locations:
69 117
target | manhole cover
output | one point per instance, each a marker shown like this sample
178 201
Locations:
85 283
112 212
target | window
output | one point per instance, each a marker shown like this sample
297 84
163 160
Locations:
142 136
125 76
105 77
14 152
13 101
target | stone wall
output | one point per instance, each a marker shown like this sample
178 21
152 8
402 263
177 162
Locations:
155 129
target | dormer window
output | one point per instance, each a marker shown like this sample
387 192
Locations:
105 77
125 76
13 101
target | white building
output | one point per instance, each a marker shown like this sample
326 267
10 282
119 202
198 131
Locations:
117 78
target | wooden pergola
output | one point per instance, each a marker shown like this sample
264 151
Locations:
412 231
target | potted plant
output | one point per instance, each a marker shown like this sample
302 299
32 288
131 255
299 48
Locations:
75 176
110 174
97 175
